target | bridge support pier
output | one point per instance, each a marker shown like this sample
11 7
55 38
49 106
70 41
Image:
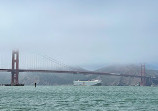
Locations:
15 68
143 79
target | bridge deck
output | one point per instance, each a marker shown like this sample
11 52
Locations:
73 72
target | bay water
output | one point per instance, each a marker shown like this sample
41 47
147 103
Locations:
78 98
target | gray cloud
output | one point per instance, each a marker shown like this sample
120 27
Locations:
82 32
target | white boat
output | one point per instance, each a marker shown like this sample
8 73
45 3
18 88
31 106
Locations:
87 83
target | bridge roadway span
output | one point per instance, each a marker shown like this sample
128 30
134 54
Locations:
72 72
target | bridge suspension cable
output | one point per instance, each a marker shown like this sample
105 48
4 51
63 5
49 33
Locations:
38 61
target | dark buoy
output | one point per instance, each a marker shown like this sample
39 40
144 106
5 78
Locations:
35 84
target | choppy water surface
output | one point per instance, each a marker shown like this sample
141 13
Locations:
71 98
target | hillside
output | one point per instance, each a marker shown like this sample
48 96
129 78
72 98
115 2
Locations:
120 69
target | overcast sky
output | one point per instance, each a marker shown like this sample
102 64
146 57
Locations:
87 33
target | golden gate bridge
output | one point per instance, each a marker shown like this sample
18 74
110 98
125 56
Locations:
15 70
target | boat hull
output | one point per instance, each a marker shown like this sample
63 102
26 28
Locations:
87 83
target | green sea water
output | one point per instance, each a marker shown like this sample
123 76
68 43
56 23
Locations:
77 98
